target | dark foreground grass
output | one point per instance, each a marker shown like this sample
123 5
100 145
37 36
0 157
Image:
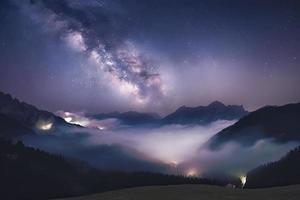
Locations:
196 192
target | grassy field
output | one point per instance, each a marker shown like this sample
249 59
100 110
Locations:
196 192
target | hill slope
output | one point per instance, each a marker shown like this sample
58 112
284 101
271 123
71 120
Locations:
27 173
12 128
28 119
281 123
283 172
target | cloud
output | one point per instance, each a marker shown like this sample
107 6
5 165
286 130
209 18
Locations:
179 149
234 159
141 148
159 142
184 146
79 118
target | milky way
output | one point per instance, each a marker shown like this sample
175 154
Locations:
122 65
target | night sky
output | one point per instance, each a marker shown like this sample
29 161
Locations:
107 55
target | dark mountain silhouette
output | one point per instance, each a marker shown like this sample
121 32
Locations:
283 172
18 118
130 118
183 115
281 123
205 114
28 173
12 128
119 158
101 156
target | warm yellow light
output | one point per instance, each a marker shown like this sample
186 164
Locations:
192 172
243 180
45 126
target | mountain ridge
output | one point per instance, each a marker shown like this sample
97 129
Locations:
27 117
285 171
205 114
281 123
183 115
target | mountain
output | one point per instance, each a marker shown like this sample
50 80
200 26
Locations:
28 173
12 128
281 123
18 118
205 114
119 158
101 156
183 115
130 118
283 172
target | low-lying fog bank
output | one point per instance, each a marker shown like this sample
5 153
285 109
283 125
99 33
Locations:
177 149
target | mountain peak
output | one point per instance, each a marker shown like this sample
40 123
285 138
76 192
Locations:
204 114
216 104
184 107
28 118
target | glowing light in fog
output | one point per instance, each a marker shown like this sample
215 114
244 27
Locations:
68 119
192 173
82 120
45 126
101 127
243 180
73 118
174 163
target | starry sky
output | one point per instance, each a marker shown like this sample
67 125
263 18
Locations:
154 56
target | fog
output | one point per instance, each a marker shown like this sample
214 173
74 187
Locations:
170 144
176 149
234 159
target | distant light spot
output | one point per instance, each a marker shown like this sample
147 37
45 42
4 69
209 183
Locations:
101 127
243 180
192 173
45 126
68 119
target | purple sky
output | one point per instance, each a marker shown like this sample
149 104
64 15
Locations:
102 56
